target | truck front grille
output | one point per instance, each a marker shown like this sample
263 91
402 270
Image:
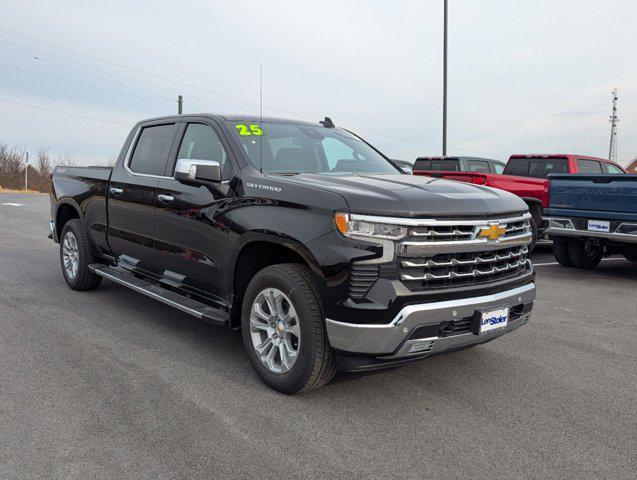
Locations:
451 253
455 269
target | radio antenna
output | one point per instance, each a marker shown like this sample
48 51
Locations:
261 115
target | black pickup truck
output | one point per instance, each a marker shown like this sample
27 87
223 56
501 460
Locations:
303 236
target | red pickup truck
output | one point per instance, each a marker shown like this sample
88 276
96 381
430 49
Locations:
525 175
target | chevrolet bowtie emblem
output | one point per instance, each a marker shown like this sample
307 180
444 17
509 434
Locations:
493 231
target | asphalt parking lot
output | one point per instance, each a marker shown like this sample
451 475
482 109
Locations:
110 384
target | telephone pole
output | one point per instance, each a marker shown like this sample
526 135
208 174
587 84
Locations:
612 149
444 86
180 104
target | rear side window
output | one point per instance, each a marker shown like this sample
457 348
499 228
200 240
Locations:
588 166
536 167
478 166
151 152
610 168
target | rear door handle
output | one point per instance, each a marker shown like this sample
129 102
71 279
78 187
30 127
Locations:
165 198
116 191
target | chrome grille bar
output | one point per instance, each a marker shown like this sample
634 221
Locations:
454 262
473 273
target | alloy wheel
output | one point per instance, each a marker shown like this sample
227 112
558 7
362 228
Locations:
275 330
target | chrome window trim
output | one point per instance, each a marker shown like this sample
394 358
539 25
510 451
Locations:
131 148
432 222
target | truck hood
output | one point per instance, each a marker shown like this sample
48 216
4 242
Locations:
413 196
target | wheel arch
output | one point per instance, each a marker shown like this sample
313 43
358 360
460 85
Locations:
65 211
254 252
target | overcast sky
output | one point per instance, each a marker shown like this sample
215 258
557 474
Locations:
523 76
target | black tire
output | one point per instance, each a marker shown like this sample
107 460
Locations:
560 251
83 279
315 364
584 256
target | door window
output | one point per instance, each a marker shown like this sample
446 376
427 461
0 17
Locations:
201 142
478 166
497 168
151 152
588 166
610 168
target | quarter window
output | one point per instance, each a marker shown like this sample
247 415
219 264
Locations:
151 152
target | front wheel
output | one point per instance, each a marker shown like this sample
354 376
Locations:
283 328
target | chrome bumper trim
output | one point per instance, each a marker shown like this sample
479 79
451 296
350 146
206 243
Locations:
384 339
568 232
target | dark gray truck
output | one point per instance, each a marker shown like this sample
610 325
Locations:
303 236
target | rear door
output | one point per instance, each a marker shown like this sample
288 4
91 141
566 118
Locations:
132 195
191 227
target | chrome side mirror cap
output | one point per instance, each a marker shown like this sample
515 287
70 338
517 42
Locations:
197 171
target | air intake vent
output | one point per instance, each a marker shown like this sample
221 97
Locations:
361 280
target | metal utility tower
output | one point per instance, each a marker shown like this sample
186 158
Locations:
612 149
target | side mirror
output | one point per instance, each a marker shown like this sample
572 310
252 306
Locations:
197 171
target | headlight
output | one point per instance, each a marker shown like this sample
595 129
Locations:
351 227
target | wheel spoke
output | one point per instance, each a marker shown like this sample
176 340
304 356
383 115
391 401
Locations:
283 353
257 324
295 328
258 311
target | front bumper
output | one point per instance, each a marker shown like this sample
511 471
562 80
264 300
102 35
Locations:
396 341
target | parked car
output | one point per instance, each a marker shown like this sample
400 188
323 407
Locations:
458 164
525 176
592 216
303 236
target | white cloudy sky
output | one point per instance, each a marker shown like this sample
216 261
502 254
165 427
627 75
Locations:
525 76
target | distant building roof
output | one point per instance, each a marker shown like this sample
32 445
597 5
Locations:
632 167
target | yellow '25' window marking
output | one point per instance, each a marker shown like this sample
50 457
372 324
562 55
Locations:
247 131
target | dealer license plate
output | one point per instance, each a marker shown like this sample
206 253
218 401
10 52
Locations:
599 226
494 320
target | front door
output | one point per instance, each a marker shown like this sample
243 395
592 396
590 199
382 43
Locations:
132 197
191 231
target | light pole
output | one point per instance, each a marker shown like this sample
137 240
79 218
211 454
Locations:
444 85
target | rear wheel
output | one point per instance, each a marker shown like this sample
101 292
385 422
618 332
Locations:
560 251
75 258
283 330
583 254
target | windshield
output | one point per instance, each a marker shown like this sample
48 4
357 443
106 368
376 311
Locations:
290 149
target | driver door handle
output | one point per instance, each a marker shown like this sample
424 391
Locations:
116 191
165 198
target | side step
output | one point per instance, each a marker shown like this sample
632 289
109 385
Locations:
176 300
